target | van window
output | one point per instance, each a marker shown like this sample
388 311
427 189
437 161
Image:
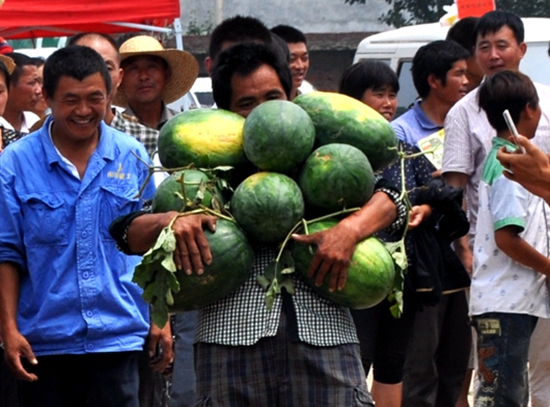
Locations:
536 63
407 92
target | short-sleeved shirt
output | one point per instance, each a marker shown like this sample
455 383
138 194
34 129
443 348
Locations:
414 125
241 318
76 289
468 137
500 284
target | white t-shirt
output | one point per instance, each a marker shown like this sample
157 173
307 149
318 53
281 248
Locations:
29 119
467 142
500 284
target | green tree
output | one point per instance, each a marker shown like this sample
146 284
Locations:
408 12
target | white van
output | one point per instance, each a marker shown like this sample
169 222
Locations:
397 48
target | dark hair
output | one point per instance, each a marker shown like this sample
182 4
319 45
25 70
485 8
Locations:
243 59
21 60
289 34
493 21
510 90
39 61
463 33
280 46
435 58
364 75
76 62
5 73
75 39
237 29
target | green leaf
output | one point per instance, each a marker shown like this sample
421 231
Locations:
169 243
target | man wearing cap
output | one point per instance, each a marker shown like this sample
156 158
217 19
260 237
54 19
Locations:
153 77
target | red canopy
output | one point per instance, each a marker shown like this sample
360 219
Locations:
56 18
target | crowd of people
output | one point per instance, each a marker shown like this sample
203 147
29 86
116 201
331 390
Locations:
75 330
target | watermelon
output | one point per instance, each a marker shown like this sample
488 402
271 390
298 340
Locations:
195 185
232 261
267 205
206 138
335 177
278 136
371 271
342 119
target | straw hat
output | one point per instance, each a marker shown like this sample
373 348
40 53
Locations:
8 62
183 66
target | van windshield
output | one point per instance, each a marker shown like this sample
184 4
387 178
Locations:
536 63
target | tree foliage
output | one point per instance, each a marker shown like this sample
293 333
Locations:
409 12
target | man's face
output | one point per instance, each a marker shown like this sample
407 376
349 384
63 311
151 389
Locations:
109 55
299 62
455 87
498 51
254 89
78 107
26 93
144 79
383 100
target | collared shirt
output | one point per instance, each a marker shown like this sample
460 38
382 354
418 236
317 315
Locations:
76 293
29 118
499 283
241 318
165 115
468 137
146 135
414 125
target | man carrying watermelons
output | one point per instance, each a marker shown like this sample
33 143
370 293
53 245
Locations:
304 350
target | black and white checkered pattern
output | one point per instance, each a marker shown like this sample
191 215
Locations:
146 135
242 318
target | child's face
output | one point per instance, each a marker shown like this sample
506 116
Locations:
383 100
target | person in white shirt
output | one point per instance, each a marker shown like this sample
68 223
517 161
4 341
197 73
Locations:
25 92
499 46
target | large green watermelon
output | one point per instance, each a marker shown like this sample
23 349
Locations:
370 274
342 119
267 205
207 138
336 176
232 261
196 186
278 136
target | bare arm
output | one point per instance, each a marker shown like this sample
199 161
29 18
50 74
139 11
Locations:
192 250
15 345
336 245
508 240
462 249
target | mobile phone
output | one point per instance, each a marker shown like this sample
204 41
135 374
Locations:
513 130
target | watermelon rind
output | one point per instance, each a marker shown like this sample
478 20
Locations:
342 119
371 272
232 261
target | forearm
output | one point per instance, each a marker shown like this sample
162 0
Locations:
377 214
519 250
9 297
145 229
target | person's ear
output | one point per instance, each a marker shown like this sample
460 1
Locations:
523 48
208 65
434 82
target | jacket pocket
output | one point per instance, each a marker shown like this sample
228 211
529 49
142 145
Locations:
46 219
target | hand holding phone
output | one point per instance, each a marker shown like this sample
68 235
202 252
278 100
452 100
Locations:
513 130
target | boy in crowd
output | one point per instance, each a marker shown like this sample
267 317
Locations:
433 374
299 56
509 289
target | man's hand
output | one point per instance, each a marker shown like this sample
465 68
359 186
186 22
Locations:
161 338
418 214
192 249
16 347
335 246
